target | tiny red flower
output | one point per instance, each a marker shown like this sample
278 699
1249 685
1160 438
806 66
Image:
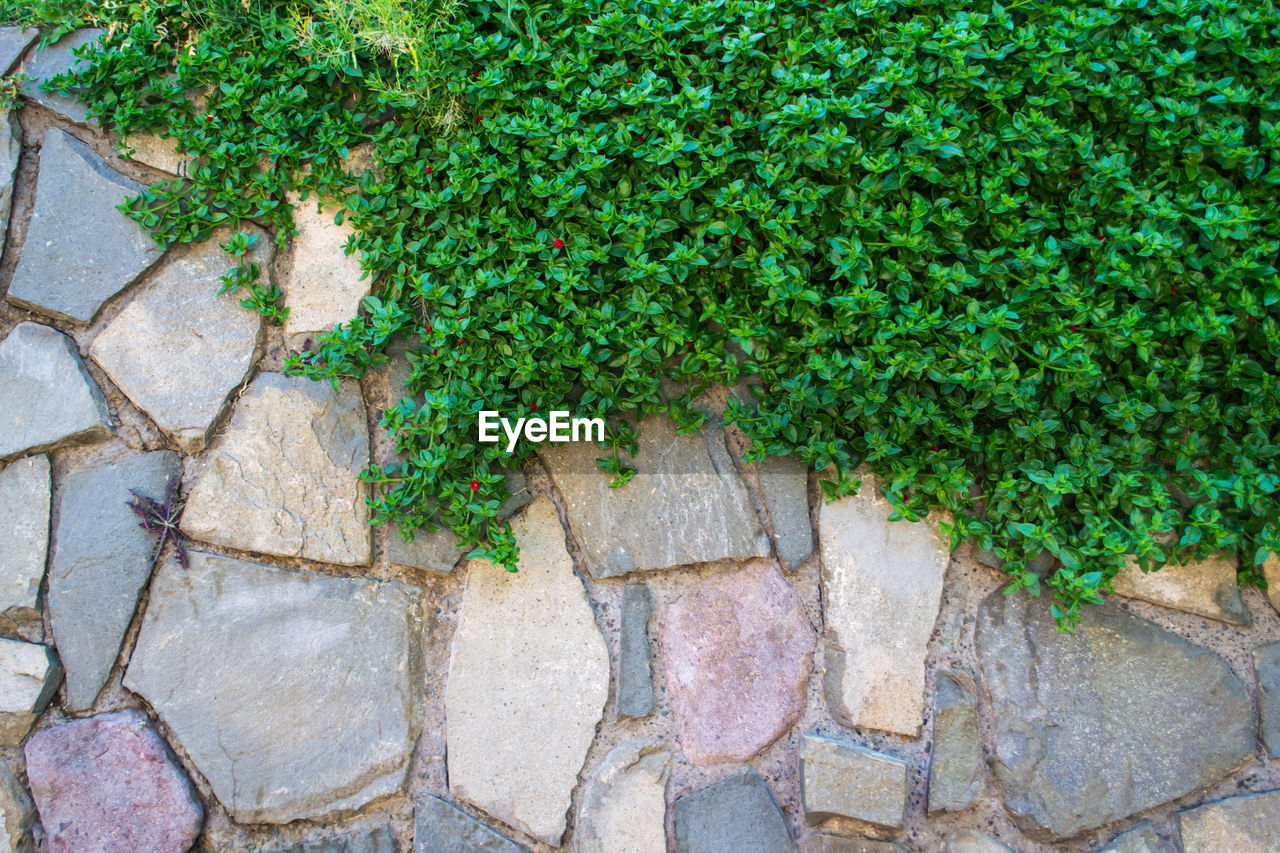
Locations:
817 350
786 392
1091 270
461 341
1101 238
428 170
475 485
628 81
933 447
433 352
558 243
535 407
475 75
429 328
737 239
1252 319
208 118
1075 171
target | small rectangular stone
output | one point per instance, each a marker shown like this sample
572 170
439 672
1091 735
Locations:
851 782
1266 659
785 483
635 675
955 770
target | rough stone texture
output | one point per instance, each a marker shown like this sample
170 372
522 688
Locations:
441 827
80 250
785 483
1097 725
624 806
13 42
685 504
1207 588
106 784
293 692
323 285
1271 571
881 589
101 561
46 396
17 814
851 782
378 840
634 690
1248 823
178 349
52 60
1266 659
972 841
29 675
10 148
822 843
24 538
1140 839
438 551
284 477
737 648
158 153
955 773
528 680
738 814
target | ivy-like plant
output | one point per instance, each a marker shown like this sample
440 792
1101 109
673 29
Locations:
1020 258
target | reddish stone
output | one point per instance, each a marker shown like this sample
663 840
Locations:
105 784
737 648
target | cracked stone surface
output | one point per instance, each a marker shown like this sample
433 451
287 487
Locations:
29 675
24 538
284 476
101 562
528 681
851 782
1207 588
322 283
685 504
106 784
307 708
10 148
785 483
51 60
881 590
47 398
633 693
624 805
1235 824
1266 661
1071 754
378 840
13 42
1140 839
178 349
955 771
737 648
80 250
738 813
441 827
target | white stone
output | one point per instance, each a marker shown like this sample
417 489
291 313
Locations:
29 674
1207 588
24 537
972 841
528 681
157 152
323 285
1233 825
882 587
624 805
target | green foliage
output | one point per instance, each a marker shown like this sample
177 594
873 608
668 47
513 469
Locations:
1018 259
265 299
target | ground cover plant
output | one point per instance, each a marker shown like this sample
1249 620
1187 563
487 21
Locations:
1019 259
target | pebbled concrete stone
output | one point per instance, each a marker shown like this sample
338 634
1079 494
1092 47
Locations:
738 813
624 805
80 250
179 349
737 648
442 827
1266 660
378 840
528 680
46 396
972 841
785 483
101 561
1245 823
1141 839
634 688
51 60
851 782
24 539
307 708
1207 588
955 772
284 478
823 843
29 675
685 504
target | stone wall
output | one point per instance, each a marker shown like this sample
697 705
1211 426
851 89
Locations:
706 660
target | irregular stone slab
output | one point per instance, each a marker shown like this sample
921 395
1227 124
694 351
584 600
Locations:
306 707
528 680
1071 752
441 827
1208 588
821 843
47 398
13 42
738 813
80 250
438 551
955 774
634 690
881 590
52 60
29 675
285 476
1266 660
24 538
851 782
684 505
157 152
785 483
624 806
10 150
101 561
972 841
737 648
1238 823
179 349
1141 839
106 784
17 814
378 840
323 285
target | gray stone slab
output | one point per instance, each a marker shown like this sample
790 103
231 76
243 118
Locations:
738 814
47 398
1095 726
10 151
13 43
955 771
851 782
51 60
17 814
1266 659
1234 825
785 483
294 693
101 562
24 539
825 843
1141 839
634 689
80 250
438 551
377 840
624 806
441 827
29 675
